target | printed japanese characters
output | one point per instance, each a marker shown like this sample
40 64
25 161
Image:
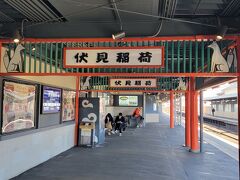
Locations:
99 57
133 82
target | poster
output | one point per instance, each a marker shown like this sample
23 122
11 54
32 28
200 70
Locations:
18 106
68 105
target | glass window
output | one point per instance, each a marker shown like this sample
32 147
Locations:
227 107
219 107
234 107
18 106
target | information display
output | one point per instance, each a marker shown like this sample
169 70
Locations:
128 100
18 106
51 100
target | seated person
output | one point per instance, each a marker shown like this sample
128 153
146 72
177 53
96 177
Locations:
109 123
120 123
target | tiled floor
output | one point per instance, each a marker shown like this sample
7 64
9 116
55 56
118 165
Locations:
151 153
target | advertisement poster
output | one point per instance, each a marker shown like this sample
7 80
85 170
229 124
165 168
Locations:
68 105
18 106
51 101
128 101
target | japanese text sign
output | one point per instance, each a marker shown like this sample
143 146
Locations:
114 57
133 82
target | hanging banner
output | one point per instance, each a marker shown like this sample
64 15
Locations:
133 82
114 57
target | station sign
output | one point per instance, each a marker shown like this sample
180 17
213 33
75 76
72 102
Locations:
133 82
109 57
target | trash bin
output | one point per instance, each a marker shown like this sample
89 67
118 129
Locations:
86 134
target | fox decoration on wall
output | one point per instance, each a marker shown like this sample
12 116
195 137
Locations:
14 63
181 85
218 63
85 84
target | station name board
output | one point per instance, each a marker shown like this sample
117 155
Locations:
114 57
133 82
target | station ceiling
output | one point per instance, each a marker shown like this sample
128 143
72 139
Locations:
100 18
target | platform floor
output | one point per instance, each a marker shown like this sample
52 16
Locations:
151 153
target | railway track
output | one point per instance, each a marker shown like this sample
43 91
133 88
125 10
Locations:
222 133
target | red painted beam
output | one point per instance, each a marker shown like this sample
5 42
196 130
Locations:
135 90
77 112
187 118
168 38
194 116
171 110
0 55
238 89
128 74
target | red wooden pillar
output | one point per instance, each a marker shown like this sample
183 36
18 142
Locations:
0 56
238 101
76 110
194 116
187 117
171 109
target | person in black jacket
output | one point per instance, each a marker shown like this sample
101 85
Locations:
109 123
120 121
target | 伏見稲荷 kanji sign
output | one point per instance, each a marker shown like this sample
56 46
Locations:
114 57
133 82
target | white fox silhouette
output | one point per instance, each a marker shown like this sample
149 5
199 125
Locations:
85 85
14 63
181 85
219 64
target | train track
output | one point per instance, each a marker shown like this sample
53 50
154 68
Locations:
222 133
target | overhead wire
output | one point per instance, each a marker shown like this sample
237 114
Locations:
119 17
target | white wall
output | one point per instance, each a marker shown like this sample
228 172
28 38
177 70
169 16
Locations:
59 81
22 153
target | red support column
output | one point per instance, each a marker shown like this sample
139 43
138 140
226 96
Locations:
76 112
238 81
171 110
194 116
0 57
187 118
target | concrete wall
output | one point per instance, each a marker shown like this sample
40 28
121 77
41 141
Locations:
22 153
